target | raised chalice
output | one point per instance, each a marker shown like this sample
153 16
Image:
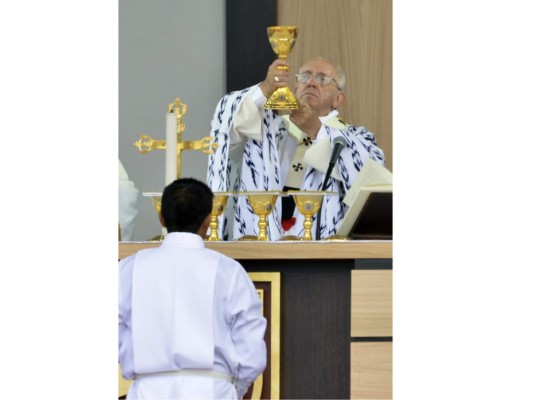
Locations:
282 39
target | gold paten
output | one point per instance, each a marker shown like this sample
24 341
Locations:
282 40
146 144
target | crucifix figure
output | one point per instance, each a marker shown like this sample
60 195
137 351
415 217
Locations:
146 144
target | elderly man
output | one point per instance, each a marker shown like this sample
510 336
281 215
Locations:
262 150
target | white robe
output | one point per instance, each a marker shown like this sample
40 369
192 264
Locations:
128 195
182 306
258 156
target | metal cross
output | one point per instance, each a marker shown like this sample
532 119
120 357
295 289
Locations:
145 144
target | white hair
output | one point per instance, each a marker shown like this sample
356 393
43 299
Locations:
341 76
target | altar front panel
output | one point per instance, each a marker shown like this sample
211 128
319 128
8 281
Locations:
315 326
335 313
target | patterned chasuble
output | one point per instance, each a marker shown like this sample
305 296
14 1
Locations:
254 165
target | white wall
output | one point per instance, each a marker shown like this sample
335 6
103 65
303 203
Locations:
167 49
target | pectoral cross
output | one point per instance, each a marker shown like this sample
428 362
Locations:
146 144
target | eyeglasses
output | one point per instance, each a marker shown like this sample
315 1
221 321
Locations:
322 79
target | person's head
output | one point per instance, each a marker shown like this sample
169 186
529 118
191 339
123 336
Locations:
186 206
315 87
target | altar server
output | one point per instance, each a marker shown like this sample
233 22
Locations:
190 319
262 150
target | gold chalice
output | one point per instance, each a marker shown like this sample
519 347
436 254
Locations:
219 204
282 39
308 203
156 202
263 204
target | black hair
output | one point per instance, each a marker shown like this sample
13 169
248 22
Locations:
185 204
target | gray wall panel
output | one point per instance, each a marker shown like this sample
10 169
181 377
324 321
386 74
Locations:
167 49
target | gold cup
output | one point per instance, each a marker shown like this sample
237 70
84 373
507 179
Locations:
263 204
156 202
282 39
308 203
219 204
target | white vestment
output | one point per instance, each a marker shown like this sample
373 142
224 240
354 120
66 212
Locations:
185 307
127 203
256 150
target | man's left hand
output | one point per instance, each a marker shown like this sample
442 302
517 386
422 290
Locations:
307 120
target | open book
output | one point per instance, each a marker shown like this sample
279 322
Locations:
369 215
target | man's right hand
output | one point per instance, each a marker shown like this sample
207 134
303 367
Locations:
275 78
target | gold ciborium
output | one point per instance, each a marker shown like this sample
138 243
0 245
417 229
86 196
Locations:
282 39
308 203
219 204
263 204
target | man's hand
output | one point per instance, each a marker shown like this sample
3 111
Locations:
275 78
307 120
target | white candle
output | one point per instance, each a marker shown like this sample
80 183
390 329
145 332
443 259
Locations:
171 162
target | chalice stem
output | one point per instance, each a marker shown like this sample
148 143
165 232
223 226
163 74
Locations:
308 225
262 228
214 229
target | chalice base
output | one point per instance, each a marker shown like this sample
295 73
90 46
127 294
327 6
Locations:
248 238
282 99
337 237
291 237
